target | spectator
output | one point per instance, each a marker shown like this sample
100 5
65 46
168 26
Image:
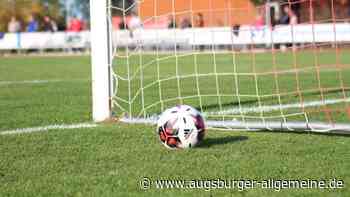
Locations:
293 19
14 25
172 23
49 24
272 18
185 23
295 6
135 22
236 29
284 20
75 25
33 25
259 22
289 17
199 20
123 25
258 30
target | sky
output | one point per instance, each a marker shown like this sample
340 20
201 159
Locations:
71 7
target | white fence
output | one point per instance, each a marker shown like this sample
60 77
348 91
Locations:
247 35
59 40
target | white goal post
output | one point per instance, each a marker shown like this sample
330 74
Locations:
100 60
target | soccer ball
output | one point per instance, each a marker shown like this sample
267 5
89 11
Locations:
181 127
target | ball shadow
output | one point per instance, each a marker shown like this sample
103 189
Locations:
209 142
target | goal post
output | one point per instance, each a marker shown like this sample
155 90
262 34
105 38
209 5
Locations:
100 60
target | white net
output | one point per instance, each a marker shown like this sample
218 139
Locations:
234 61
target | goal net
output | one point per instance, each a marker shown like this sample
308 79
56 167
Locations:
282 65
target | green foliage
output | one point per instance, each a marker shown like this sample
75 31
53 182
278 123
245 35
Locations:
23 8
258 2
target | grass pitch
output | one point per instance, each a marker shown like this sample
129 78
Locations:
111 159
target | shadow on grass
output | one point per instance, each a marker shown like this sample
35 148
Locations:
209 142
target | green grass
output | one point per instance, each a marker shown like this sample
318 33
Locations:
111 159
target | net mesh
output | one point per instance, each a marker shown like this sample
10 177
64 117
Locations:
241 65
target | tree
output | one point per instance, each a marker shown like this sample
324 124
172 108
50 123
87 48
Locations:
23 8
258 2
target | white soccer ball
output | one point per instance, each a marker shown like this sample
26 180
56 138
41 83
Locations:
181 127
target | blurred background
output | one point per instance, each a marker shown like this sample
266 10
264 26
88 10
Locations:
72 16
60 11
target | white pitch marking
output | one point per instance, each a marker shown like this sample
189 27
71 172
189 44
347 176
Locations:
47 128
270 108
26 82
35 82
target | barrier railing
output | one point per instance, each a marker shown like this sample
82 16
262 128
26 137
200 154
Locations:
246 35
